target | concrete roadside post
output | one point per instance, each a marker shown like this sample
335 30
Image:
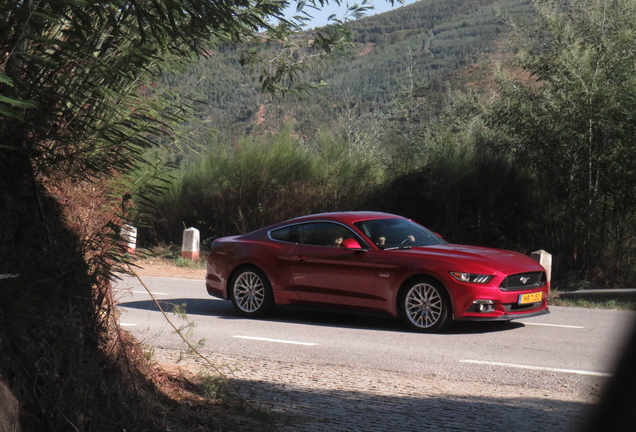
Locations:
129 234
545 259
9 419
190 244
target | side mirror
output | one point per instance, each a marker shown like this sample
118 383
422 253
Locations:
351 244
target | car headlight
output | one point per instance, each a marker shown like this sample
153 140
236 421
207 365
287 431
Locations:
471 277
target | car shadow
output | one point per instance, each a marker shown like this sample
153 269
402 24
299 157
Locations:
204 307
320 316
316 316
477 327
354 319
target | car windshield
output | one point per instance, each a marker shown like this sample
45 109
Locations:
396 233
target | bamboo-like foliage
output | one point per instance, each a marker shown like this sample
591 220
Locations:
573 119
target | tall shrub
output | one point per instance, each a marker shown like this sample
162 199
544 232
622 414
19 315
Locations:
262 180
464 191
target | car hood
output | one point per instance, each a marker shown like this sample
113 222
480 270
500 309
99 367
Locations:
477 259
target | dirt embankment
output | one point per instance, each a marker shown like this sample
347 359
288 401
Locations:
160 267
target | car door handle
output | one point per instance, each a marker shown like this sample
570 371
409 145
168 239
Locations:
300 258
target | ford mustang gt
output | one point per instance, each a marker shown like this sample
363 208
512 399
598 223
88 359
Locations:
376 262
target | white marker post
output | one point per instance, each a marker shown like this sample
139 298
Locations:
190 244
545 259
129 234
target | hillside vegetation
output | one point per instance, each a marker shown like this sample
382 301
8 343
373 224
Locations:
410 52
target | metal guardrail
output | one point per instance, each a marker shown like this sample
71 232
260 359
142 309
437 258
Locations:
623 294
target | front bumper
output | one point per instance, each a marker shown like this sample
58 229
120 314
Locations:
506 317
499 305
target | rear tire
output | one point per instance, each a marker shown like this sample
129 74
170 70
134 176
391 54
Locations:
424 306
252 293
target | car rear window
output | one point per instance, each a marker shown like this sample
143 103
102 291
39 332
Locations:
286 234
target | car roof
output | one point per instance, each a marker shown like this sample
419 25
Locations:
346 217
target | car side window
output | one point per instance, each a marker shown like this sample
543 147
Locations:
392 233
315 233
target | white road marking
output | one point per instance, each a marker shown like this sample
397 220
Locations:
9 276
551 325
153 293
127 290
276 340
127 324
169 277
539 368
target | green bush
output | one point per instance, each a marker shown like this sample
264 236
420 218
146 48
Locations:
259 181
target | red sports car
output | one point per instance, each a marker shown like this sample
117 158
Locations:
377 262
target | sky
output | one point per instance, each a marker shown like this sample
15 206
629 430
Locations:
320 17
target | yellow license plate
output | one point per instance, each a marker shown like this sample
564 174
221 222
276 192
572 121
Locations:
530 298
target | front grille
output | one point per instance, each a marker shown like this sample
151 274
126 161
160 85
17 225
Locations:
523 281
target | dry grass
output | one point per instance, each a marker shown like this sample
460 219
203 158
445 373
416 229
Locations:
182 404
165 267
556 300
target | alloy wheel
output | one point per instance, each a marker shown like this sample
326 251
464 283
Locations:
424 305
249 292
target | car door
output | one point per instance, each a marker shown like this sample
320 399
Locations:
320 271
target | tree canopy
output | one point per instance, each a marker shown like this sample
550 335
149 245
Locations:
76 76
573 119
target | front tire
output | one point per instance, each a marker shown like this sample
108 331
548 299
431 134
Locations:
424 306
252 293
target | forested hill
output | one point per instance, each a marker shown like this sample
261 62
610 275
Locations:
409 52
444 38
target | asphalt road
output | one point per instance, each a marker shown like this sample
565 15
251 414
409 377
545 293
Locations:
571 347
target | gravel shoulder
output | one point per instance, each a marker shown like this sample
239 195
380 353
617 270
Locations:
310 397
